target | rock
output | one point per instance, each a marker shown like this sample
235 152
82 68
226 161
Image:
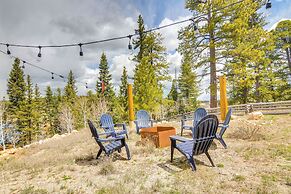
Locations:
255 115
56 136
41 142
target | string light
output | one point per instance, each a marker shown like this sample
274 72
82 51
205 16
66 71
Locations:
120 37
268 4
23 64
195 27
129 43
38 67
8 51
81 51
39 51
193 19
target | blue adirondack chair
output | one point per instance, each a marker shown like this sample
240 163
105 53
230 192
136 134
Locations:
108 145
204 134
106 122
198 115
143 120
223 126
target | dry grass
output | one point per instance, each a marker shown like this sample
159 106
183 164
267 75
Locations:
248 130
257 161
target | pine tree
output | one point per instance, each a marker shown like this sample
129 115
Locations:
139 42
123 94
283 43
151 69
16 89
148 93
28 111
59 96
247 50
105 77
39 112
207 39
50 110
188 86
171 103
17 98
173 94
281 61
70 93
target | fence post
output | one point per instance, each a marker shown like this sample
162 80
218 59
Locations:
130 106
223 97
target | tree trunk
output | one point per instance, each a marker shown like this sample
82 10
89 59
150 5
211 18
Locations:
2 134
213 80
288 52
258 99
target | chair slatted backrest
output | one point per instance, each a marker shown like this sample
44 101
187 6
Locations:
204 134
226 122
93 130
143 118
198 115
94 133
106 123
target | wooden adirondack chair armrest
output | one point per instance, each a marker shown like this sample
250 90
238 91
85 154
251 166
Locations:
110 139
123 125
222 125
104 127
105 133
189 119
119 124
179 138
188 127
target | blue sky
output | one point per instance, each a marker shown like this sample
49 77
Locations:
281 9
154 11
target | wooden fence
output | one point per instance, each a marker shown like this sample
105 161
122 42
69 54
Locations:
267 108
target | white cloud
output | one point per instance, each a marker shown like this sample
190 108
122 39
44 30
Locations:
170 34
61 22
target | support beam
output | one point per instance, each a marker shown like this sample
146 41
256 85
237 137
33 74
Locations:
130 107
223 97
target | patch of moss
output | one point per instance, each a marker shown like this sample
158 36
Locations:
238 178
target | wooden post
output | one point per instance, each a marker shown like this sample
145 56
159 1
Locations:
130 107
223 97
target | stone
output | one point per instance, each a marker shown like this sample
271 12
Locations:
255 115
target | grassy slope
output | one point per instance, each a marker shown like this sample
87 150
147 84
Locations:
67 165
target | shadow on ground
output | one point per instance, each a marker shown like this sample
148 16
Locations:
91 160
179 164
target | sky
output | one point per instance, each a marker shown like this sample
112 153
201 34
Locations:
41 22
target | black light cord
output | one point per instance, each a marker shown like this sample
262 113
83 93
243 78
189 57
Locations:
43 69
117 38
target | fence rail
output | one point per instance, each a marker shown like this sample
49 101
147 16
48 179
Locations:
267 108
